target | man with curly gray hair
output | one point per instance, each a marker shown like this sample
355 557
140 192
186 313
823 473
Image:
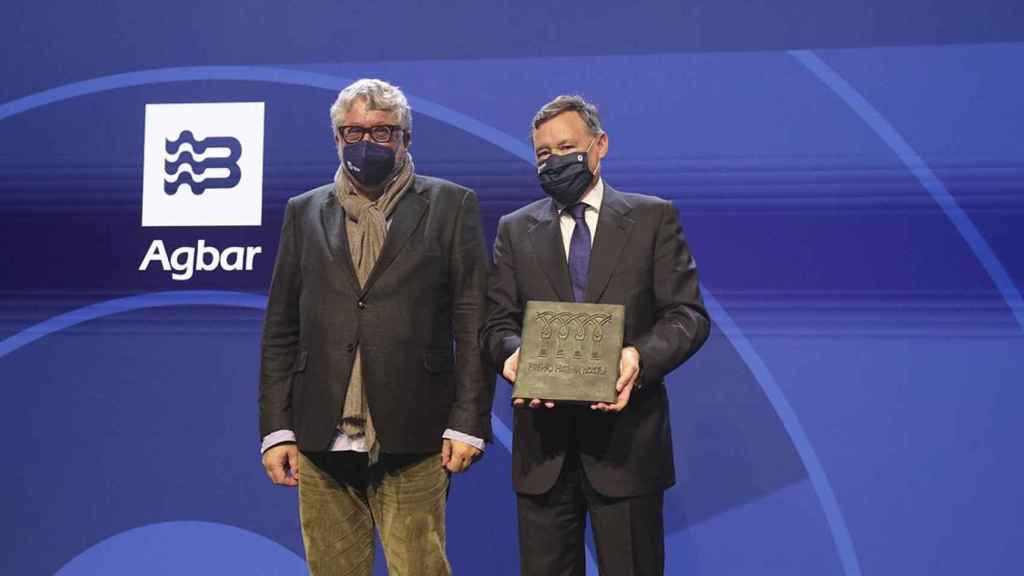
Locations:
372 383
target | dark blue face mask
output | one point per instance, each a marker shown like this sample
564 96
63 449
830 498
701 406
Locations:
566 177
368 162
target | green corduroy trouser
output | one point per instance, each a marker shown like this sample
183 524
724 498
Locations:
342 501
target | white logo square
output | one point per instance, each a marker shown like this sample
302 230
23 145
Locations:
203 164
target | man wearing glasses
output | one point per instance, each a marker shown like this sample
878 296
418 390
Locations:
588 242
371 381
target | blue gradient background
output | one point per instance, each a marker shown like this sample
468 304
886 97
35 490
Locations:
850 177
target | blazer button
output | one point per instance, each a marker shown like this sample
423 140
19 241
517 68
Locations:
361 305
350 347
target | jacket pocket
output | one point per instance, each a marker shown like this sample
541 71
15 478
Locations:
300 361
437 361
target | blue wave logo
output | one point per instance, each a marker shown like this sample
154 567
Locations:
194 169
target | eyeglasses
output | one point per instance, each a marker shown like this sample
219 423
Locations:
381 134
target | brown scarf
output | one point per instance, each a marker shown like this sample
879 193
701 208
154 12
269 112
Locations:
366 223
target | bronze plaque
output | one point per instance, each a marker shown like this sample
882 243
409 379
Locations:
570 351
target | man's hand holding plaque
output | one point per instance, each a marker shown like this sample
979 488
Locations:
629 372
509 372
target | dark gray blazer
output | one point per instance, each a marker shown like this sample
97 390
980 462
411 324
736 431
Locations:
416 321
639 259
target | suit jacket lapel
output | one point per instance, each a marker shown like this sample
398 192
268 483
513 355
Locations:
332 218
613 227
548 247
404 220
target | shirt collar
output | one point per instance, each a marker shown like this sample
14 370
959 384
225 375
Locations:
592 199
595 196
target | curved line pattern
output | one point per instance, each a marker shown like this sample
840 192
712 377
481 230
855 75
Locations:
127 304
109 551
924 174
790 421
254 73
819 481
501 432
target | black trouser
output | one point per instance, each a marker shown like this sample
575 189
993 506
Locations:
628 532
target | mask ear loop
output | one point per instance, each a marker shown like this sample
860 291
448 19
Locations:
597 169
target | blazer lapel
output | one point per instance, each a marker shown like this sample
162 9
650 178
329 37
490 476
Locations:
546 238
404 220
613 227
332 218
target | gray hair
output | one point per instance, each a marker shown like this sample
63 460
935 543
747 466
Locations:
570 103
379 95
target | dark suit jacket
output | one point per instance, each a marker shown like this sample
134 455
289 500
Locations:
416 321
639 259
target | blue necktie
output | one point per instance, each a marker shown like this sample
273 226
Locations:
579 251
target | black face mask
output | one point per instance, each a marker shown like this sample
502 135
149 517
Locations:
565 178
368 162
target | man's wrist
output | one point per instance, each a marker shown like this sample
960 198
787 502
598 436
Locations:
473 441
275 438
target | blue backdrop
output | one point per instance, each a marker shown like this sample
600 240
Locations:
850 176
